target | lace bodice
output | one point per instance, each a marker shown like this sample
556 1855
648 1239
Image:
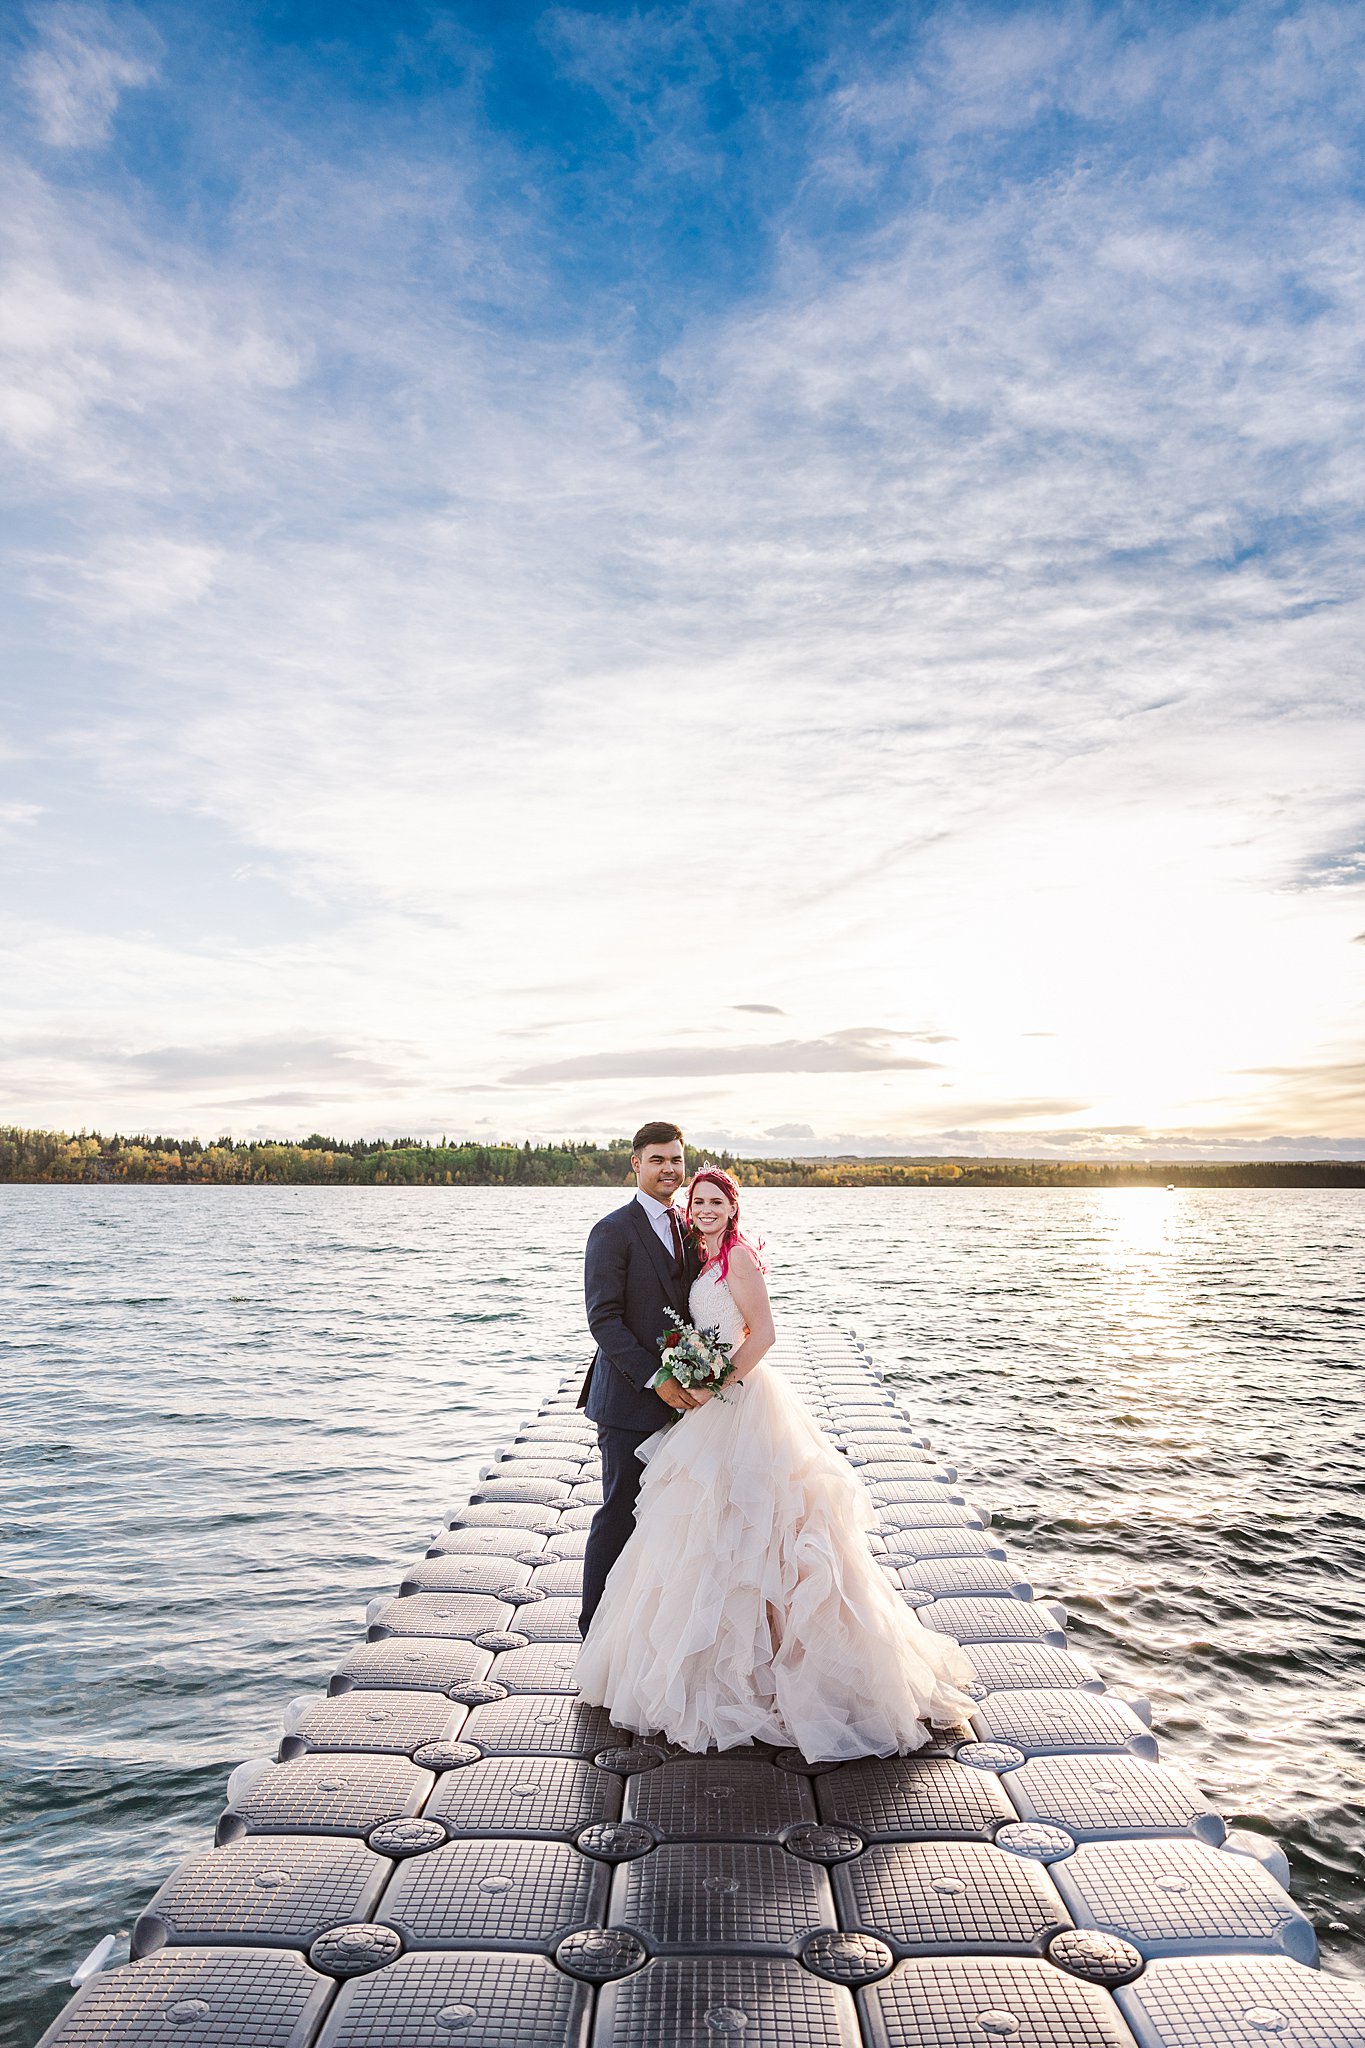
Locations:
711 1306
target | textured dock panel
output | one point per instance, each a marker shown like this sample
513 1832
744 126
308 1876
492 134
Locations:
521 1492
395 1723
496 1894
712 1798
264 1892
985 1620
937 1515
478 1999
542 1795
1173 1898
973 2001
543 1667
902 1545
466 1615
550 1621
904 1797
1252 2002
980 1576
487 1543
945 1898
328 1795
920 1492
697 2002
690 1897
561 1429
426 1663
454 1571
888 1454
495 1515
1094 1796
541 1724
877 1439
519 1464
562 1577
1045 1721
1005 1667
215 1997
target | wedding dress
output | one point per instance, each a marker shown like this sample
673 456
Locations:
747 1604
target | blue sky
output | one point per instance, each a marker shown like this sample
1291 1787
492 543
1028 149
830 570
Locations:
794 567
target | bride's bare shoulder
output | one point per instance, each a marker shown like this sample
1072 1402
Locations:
743 1259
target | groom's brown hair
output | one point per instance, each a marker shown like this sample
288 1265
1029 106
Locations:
655 1134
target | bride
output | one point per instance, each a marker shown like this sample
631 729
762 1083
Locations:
747 1604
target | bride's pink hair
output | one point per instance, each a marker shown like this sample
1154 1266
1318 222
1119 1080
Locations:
733 1234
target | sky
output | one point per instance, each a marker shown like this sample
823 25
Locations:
796 568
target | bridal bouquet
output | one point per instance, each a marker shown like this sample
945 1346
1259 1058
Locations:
694 1358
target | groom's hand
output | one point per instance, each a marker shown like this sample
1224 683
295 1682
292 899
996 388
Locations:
676 1396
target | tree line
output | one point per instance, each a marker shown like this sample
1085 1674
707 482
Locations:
90 1157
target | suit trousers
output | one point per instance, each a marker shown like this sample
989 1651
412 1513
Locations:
614 1522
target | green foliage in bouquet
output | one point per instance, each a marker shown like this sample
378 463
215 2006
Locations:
693 1357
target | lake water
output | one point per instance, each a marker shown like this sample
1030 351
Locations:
233 1414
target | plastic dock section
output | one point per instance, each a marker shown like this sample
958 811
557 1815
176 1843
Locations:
451 1851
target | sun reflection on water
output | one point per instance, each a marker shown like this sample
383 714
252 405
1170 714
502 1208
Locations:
245 1409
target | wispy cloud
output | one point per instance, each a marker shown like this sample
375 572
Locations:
1330 1094
17 816
81 61
1019 1110
930 582
187 1076
1336 867
256 1060
1039 1141
150 575
843 1052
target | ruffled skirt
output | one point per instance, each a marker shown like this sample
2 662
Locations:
747 1605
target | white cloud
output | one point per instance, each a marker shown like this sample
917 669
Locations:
149 575
130 373
83 60
16 816
840 1052
1133 1143
964 626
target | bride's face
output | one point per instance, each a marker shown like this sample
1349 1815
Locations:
711 1211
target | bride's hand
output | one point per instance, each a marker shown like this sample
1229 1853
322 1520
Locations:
701 1395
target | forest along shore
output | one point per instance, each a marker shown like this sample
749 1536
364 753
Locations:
88 1157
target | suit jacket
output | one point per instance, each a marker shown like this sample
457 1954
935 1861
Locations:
628 1282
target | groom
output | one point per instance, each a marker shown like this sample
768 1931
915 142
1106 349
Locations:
640 1261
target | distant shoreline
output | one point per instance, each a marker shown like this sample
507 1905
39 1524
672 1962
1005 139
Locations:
89 1159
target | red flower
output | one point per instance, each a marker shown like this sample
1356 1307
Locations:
673 1337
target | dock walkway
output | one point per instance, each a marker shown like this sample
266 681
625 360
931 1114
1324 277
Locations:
452 1849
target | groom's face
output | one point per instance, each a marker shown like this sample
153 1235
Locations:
660 1169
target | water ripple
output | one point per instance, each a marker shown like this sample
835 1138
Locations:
233 1414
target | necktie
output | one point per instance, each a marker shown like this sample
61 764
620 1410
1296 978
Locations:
677 1237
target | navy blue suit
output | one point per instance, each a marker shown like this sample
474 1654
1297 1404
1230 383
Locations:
629 1281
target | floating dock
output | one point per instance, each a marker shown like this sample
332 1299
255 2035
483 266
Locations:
452 1851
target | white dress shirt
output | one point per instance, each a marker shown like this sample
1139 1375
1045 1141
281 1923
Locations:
658 1214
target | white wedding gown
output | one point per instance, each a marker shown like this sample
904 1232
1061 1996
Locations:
747 1604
